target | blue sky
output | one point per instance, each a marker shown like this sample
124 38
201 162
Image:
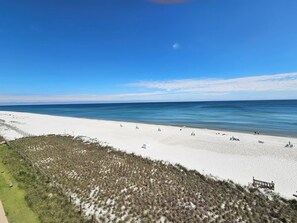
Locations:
147 50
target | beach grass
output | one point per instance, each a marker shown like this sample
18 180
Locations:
12 196
113 185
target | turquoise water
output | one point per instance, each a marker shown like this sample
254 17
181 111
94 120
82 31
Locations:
268 117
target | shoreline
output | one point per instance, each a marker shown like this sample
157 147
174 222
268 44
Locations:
209 151
158 124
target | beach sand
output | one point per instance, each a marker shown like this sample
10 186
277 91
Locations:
209 151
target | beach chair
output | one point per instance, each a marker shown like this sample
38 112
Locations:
234 139
289 145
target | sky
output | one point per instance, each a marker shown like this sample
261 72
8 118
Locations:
68 51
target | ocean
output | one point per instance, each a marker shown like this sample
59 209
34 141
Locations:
277 117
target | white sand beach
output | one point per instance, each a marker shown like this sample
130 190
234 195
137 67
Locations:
208 151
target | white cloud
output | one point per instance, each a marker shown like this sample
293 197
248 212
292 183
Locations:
169 1
78 98
175 46
277 86
276 82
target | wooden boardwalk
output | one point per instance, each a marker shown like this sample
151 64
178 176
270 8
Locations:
3 218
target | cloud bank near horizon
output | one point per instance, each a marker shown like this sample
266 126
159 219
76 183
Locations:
276 86
276 82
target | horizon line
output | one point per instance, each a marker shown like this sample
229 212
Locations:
137 102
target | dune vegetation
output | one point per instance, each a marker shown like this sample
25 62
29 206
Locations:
110 185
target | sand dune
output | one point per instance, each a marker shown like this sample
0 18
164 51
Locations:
209 151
